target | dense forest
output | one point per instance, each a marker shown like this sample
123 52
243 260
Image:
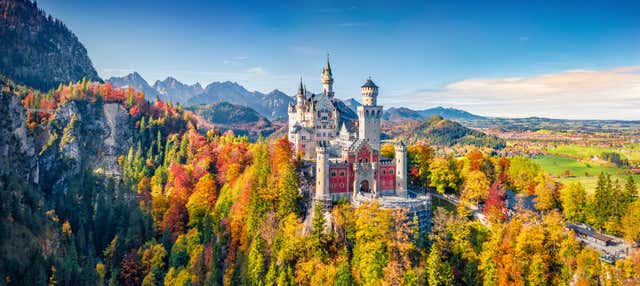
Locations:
189 208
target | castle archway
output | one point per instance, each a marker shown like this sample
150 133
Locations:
364 186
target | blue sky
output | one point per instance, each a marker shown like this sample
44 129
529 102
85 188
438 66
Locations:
560 59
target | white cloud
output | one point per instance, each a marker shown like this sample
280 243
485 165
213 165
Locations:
257 71
235 60
580 94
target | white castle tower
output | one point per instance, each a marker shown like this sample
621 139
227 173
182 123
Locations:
369 115
327 80
401 169
322 170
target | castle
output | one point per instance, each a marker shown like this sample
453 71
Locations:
347 159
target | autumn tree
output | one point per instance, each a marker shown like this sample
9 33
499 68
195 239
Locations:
547 193
419 157
573 198
475 187
495 207
444 175
370 256
631 222
522 173
202 200
387 150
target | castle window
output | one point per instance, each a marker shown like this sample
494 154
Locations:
384 172
333 186
341 185
333 173
341 173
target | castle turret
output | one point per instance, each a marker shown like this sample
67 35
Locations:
322 170
369 92
300 96
327 80
369 115
401 169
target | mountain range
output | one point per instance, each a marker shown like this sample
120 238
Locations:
272 105
400 114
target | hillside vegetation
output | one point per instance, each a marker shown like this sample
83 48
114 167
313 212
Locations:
443 132
38 50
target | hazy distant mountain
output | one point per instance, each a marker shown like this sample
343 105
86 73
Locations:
38 50
353 104
173 90
397 114
241 119
227 113
346 111
272 105
441 132
137 82
402 113
449 113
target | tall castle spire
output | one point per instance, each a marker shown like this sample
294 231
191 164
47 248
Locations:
327 79
301 87
301 96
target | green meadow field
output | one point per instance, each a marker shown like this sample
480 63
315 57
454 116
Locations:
579 171
631 151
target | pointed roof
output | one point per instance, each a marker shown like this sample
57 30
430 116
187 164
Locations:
369 83
344 128
327 68
301 88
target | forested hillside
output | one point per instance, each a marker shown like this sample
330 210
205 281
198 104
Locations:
38 50
442 132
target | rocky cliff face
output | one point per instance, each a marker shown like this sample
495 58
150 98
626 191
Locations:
16 145
84 136
37 50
